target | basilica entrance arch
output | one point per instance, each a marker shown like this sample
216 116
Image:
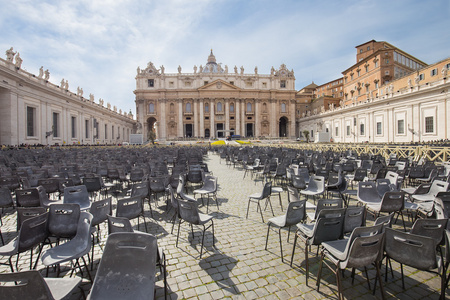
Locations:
151 125
282 125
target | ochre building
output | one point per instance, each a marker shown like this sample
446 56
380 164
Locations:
215 101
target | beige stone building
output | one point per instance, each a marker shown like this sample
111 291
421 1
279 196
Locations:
35 111
214 101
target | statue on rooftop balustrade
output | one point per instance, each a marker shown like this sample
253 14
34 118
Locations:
10 54
41 72
18 61
46 75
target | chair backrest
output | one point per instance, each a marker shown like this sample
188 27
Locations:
77 194
331 203
367 192
393 201
293 194
442 205
119 224
354 217
438 186
328 226
210 183
386 221
28 197
6 199
188 211
360 174
129 208
140 189
296 212
127 269
32 232
433 228
83 237
334 179
157 184
316 184
100 210
267 190
32 286
25 213
51 185
298 182
383 186
392 176
364 250
410 249
63 219
93 184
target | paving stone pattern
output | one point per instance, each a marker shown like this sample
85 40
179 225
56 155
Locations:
239 267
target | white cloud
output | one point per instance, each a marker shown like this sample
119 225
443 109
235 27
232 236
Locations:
99 44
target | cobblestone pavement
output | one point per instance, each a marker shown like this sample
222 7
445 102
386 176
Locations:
239 267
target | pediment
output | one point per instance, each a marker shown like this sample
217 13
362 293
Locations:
219 85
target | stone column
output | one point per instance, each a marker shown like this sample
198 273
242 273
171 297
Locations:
257 132
273 120
292 133
243 117
202 118
227 114
212 113
195 108
163 123
237 104
180 118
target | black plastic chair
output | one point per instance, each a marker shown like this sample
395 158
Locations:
362 249
209 188
127 269
77 194
328 227
295 213
258 197
33 286
189 213
131 208
33 232
27 197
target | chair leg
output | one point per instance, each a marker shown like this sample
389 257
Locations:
267 236
338 281
260 211
281 245
178 234
319 273
293 248
307 264
248 208
377 266
403 278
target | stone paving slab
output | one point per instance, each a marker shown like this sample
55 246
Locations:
239 267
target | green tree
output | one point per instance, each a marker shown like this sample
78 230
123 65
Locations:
306 134
151 136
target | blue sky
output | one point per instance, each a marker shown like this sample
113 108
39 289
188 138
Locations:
98 45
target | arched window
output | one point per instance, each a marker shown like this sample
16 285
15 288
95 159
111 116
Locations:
231 107
219 106
206 108
188 107
151 108
172 108
249 107
264 107
283 107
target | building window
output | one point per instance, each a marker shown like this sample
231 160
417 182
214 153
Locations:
400 126
282 83
151 83
74 127
283 107
151 108
112 132
86 125
31 121
249 107
358 72
421 76
187 83
429 124
219 106
206 108
367 69
188 107
264 84
232 82
376 64
360 50
106 131
248 84
205 82
171 84
348 130
55 126
434 72
361 129
379 129
368 48
376 84
232 108
386 72
351 76
386 61
336 129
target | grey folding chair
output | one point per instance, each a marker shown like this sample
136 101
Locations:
131 208
74 249
189 213
258 197
295 213
77 194
209 188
